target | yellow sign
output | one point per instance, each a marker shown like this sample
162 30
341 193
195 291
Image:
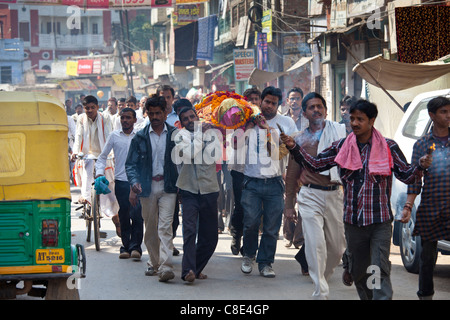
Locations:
46 256
119 80
72 68
266 24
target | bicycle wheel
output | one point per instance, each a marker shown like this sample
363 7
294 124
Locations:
96 217
88 219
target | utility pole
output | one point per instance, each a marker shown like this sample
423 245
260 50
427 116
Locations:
130 53
128 72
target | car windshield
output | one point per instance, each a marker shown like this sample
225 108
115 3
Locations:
418 121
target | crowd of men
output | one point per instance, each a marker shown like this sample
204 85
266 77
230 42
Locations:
327 183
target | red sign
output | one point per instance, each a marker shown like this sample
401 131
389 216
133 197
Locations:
97 3
85 66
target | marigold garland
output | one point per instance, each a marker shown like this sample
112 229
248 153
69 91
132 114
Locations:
207 108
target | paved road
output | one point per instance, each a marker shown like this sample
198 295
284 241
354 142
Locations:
111 278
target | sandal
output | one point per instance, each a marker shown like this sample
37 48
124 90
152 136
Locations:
115 220
190 277
202 276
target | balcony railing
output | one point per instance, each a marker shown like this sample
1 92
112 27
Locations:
70 41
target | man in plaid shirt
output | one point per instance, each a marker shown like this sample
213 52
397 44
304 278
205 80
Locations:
367 190
433 213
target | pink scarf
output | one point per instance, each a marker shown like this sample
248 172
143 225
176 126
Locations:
380 159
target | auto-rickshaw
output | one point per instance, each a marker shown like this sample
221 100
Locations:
36 254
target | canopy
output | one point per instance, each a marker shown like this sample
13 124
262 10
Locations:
394 75
259 77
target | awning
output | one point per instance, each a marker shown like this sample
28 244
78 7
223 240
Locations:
77 85
341 30
150 84
259 77
394 75
224 66
220 69
300 63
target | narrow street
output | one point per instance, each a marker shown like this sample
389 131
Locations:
109 278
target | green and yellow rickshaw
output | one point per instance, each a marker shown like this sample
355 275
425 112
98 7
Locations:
36 254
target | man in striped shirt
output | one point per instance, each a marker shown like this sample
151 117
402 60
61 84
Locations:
433 213
367 181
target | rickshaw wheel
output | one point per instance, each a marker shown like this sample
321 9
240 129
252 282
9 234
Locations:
96 217
88 217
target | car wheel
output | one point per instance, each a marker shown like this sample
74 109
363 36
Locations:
410 246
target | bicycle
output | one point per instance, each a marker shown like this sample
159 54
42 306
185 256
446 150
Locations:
91 211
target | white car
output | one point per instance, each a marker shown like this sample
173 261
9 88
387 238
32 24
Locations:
414 124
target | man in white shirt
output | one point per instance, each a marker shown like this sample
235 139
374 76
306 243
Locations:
111 111
90 138
253 95
168 93
121 103
130 217
263 185
294 100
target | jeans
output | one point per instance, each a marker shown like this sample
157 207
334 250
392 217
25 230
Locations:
262 198
237 217
369 249
131 222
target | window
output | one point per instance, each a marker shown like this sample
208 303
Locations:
418 122
94 28
6 74
242 9
24 31
57 27
234 16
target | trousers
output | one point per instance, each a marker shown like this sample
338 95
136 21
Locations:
323 230
157 211
200 234
131 222
369 249
262 198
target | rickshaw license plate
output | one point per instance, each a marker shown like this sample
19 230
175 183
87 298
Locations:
49 255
